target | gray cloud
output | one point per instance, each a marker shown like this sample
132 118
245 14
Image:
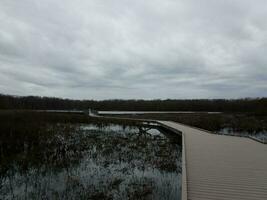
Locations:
101 49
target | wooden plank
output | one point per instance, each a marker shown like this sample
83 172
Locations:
222 167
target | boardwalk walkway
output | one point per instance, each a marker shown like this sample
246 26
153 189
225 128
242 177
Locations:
222 167
219 167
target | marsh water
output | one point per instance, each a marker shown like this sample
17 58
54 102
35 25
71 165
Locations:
261 135
85 161
150 112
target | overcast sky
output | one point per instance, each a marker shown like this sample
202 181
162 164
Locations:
103 49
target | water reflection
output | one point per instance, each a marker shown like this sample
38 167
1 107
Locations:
91 162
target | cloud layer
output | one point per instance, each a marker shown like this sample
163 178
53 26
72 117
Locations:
102 49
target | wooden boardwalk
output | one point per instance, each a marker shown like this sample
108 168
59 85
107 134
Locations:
220 167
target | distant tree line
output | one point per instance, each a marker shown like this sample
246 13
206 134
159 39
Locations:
257 105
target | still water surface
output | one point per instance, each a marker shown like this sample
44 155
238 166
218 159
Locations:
150 112
260 135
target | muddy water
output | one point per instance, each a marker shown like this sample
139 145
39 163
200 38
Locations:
91 162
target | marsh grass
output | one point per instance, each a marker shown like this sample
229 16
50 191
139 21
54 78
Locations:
69 156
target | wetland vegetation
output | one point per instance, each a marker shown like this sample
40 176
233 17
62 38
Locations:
68 156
